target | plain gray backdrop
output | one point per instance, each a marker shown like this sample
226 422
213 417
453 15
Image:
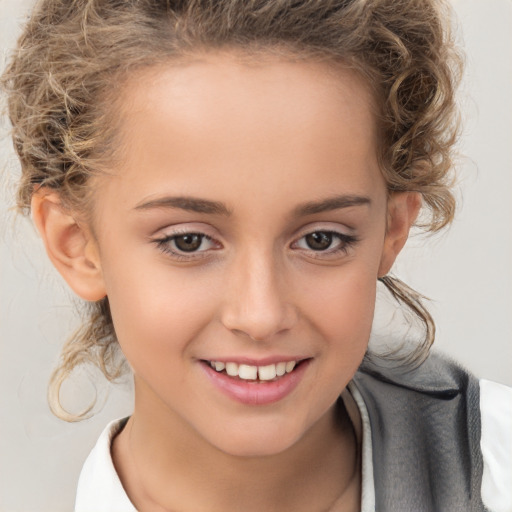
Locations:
467 273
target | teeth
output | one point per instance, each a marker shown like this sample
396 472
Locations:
219 366
232 369
249 372
267 372
290 365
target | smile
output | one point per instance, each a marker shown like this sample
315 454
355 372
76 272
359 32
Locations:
256 384
250 372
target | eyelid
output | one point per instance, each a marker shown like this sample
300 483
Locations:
169 233
333 227
346 240
182 228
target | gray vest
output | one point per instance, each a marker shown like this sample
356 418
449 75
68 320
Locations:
426 436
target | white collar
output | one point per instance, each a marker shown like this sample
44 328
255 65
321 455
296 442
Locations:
100 490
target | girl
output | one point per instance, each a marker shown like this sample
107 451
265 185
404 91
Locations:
225 183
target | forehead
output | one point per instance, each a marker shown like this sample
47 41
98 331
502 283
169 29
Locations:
250 90
269 121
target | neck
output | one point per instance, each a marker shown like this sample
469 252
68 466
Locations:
165 465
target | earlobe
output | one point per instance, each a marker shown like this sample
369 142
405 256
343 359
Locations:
70 246
403 208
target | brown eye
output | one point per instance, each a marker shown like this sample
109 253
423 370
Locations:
183 246
189 242
319 240
325 244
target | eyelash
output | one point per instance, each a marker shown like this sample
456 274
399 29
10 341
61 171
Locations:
164 244
346 242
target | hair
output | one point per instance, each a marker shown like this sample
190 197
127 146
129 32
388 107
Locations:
73 57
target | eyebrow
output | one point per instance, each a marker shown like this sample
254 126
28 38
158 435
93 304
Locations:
190 204
198 205
331 203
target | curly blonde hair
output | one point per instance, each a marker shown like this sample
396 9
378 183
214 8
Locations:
73 57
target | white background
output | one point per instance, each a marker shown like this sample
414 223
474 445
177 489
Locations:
467 272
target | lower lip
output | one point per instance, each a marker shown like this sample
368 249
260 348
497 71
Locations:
256 392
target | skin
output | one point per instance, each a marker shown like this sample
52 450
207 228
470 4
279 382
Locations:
263 138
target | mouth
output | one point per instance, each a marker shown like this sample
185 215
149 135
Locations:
252 384
247 372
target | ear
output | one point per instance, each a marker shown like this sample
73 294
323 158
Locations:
403 208
70 246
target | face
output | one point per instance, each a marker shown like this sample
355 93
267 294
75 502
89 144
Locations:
245 228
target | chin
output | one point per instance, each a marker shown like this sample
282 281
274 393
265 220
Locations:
264 441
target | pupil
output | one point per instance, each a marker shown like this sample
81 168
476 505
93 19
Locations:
319 241
188 243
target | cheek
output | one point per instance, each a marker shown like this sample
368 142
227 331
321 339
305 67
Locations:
340 314
156 314
342 303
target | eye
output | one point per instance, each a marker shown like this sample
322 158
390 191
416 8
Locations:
186 245
329 242
319 241
190 242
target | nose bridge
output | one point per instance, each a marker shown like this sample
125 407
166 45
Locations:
257 301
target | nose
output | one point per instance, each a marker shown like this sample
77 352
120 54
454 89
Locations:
257 300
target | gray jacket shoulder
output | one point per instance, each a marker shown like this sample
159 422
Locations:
426 436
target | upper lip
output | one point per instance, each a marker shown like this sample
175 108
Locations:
251 361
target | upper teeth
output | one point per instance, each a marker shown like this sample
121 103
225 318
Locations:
249 372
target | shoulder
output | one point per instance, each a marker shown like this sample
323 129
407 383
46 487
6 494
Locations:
496 444
99 487
438 375
432 424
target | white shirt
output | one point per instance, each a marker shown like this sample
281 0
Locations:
100 490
